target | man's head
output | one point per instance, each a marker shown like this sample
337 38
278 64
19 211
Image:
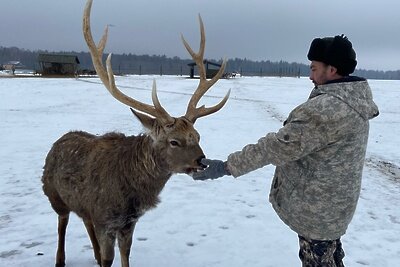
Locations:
331 58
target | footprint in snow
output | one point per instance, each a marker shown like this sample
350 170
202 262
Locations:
190 244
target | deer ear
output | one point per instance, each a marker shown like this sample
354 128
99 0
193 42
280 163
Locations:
146 120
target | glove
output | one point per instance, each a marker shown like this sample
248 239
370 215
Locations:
215 169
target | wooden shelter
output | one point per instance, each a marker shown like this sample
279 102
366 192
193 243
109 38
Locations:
211 68
58 64
11 66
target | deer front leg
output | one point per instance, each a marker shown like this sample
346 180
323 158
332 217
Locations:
106 240
62 229
95 243
125 242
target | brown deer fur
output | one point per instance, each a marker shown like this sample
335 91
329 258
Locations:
111 180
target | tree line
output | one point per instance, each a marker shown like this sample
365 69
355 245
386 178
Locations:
163 65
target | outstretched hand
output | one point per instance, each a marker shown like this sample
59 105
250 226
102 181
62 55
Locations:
215 169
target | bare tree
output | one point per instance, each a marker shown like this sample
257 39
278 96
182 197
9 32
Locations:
111 180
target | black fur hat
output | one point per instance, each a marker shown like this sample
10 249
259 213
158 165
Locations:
335 51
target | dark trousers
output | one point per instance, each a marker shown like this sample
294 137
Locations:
317 253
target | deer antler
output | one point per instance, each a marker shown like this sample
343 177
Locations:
107 75
192 112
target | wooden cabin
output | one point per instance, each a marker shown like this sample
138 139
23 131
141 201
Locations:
58 64
211 68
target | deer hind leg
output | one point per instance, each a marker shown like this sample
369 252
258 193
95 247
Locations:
62 228
95 243
125 242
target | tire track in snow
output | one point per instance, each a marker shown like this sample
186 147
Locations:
388 169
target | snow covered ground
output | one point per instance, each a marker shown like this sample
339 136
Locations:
221 223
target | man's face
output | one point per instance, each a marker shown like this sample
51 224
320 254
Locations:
320 73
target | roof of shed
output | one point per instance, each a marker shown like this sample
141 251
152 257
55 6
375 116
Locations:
205 61
58 58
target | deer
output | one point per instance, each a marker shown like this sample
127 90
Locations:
111 180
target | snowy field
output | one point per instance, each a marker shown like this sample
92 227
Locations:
223 223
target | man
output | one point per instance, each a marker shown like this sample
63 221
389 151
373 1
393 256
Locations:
319 154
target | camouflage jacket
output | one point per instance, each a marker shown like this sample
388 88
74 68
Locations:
319 156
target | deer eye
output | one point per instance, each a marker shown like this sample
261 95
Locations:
174 143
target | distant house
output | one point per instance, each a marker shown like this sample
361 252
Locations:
58 64
11 66
211 68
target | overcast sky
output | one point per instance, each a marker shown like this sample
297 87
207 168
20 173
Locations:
252 29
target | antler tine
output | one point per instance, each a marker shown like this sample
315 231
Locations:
94 50
107 75
192 112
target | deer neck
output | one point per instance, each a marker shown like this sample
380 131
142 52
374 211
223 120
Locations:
150 158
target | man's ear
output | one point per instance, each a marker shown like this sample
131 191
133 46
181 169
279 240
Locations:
144 119
332 70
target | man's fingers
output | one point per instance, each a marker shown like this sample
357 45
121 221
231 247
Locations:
198 176
206 161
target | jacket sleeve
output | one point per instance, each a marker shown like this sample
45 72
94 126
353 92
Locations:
304 132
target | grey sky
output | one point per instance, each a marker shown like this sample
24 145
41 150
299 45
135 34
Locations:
252 29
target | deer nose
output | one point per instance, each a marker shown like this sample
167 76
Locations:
199 161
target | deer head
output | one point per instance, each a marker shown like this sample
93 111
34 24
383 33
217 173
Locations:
175 136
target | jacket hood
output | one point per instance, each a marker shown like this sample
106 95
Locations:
353 91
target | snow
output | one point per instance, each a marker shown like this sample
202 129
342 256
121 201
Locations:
225 222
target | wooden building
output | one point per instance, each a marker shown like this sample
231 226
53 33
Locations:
211 68
11 66
58 64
